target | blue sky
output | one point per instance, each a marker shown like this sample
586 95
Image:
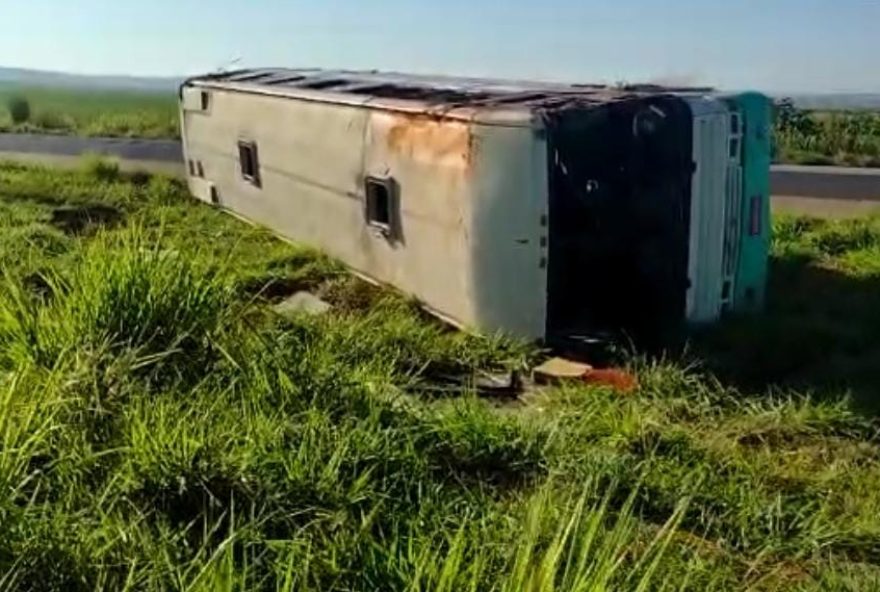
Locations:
776 45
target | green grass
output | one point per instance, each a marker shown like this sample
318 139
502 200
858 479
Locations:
162 429
820 333
93 112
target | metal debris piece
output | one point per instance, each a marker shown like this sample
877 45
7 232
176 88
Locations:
557 370
499 385
302 302
618 380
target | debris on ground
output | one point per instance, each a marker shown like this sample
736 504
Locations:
79 219
556 370
561 370
302 302
499 385
619 380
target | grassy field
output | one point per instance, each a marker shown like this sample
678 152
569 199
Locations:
93 113
162 429
828 137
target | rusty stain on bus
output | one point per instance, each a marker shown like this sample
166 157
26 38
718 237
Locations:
448 144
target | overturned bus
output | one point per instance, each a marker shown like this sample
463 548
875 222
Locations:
549 211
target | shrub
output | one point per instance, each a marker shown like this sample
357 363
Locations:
848 235
52 120
19 109
100 168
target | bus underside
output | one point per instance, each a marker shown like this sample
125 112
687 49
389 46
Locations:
620 203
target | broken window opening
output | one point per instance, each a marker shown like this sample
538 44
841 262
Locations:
381 204
249 162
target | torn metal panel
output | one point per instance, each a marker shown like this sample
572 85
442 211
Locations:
322 84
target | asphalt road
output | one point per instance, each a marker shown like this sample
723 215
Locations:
826 182
808 186
124 148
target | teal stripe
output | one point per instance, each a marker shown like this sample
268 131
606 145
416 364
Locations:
752 268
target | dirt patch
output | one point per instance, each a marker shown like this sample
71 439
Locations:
84 219
778 437
138 178
350 294
37 284
274 289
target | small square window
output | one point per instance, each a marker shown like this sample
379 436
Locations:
200 170
734 148
206 100
192 168
381 204
249 162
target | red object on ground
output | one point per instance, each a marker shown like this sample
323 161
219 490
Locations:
620 380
